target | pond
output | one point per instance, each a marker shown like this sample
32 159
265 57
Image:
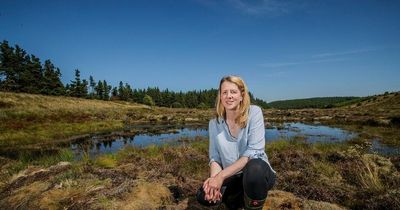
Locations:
174 136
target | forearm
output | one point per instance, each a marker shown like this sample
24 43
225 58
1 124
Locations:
234 168
215 168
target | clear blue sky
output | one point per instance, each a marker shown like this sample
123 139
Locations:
283 49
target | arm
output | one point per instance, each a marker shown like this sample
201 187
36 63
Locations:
215 168
217 181
215 163
256 137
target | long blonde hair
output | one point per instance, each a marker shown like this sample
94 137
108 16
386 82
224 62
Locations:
244 105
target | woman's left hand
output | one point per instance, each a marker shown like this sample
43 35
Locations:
215 182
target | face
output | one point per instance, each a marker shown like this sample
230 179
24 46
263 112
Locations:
230 95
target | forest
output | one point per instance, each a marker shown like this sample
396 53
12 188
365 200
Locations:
25 73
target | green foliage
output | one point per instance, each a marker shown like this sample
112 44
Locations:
106 161
321 102
202 105
148 100
20 72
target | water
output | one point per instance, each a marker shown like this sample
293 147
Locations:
379 148
310 133
97 145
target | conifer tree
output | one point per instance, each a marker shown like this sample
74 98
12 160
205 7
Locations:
107 89
51 83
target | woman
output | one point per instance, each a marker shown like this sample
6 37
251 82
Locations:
240 174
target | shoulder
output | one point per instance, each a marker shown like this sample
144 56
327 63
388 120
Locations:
213 123
254 110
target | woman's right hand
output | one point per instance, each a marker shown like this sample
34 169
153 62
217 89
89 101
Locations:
211 194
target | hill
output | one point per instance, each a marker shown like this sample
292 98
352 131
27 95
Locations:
318 102
31 119
332 102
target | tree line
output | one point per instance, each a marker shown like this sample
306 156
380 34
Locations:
318 102
21 72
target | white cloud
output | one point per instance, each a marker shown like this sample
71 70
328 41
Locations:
260 7
255 7
348 52
284 64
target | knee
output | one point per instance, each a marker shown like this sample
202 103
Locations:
255 168
258 174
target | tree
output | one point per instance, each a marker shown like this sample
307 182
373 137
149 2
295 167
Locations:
99 90
148 100
107 89
114 93
51 83
78 88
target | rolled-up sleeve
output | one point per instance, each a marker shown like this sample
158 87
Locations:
213 153
256 137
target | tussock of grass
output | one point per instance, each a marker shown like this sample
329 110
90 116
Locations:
147 196
106 161
22 197
70 192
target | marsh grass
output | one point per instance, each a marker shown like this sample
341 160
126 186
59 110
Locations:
28 119
142 178
342 173
106 161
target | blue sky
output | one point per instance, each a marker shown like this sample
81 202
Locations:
283 49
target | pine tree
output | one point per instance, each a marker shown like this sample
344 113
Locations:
100 90
51 82
107 89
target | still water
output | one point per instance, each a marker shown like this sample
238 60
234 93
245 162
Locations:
310 133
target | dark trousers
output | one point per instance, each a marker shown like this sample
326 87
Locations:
255 182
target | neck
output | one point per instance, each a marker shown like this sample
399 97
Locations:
231 114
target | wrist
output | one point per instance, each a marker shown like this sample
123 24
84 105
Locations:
220 175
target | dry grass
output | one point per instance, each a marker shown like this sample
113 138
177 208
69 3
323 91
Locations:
28 119
146 196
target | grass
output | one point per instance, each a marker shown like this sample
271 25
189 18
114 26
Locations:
106 161
143 177
36 120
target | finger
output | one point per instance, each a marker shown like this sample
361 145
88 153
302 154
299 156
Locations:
205 183
214 198
219 196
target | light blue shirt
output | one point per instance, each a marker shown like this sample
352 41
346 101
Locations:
250 142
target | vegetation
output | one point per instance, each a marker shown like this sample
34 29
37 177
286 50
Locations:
155 177
320 102
30 120
20 72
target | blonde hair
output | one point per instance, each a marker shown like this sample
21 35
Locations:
244 105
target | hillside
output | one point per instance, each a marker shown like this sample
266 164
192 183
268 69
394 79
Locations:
31 119
319 102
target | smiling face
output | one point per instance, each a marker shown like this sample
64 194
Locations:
231 96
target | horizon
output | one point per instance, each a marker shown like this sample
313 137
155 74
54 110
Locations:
283 50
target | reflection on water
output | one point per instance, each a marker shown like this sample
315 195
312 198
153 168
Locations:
97 145
310 133
384 149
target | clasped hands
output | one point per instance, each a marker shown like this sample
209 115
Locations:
212 188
